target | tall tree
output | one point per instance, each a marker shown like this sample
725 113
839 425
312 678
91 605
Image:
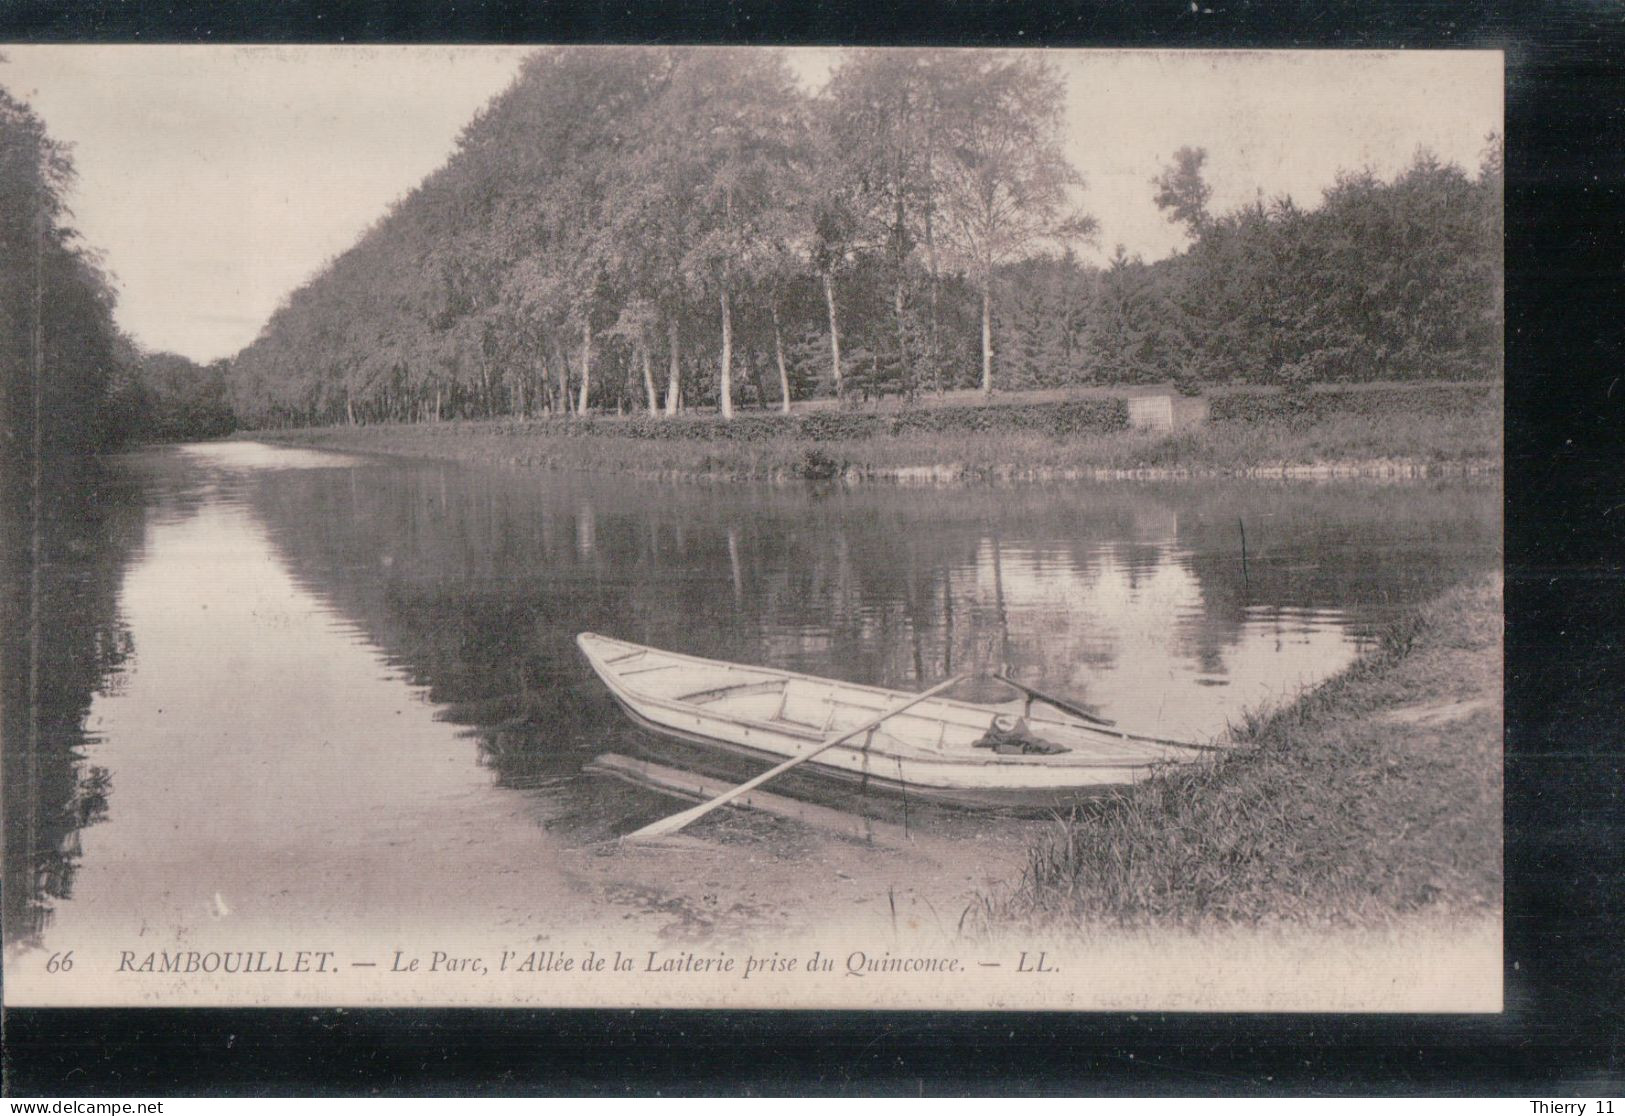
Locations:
881 112
739 122
1182 192
830 210
1008 187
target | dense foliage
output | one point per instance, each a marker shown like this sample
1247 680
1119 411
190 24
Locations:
165 397
1384 281
57 339
643 229
64 358
1256 408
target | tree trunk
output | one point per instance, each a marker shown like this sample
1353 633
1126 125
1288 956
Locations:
564 378
725 385
649 379
933 340
987 339
778 353
905 373
834 331
933 330
586 365
437 402
733 566
674 387
349 407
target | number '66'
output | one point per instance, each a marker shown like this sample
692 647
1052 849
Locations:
60 963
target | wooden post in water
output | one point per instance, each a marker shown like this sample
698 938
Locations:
1246 582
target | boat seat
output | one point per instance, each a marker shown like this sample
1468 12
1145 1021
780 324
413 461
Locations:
805 705
732 690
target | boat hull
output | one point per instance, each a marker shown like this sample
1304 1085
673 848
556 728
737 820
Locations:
928 751
1015 801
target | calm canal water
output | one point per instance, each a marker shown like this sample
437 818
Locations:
258 662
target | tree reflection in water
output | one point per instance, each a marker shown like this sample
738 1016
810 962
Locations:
1128 597
92 526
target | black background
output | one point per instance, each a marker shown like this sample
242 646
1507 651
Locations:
1560 1034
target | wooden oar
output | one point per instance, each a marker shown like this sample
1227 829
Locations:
678 821
1051 699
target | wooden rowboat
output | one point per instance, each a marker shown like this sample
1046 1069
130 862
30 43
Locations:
930 749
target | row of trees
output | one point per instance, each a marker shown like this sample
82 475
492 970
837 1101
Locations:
57 338
652 229
645 228
69 370
649 227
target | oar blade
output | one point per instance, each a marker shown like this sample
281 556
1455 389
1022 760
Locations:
667 826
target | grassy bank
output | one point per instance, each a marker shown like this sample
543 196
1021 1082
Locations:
1375 795
1399 442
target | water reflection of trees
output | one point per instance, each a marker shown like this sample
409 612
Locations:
477 581
91 527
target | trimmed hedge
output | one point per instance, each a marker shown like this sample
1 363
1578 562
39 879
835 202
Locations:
1073 417
1057 419
1304 407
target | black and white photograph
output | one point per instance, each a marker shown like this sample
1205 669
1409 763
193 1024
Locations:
752 527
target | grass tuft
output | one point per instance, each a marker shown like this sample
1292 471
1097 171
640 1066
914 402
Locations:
1375 795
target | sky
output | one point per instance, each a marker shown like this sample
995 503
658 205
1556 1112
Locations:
215 180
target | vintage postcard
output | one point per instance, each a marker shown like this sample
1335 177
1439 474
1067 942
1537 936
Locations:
740 527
